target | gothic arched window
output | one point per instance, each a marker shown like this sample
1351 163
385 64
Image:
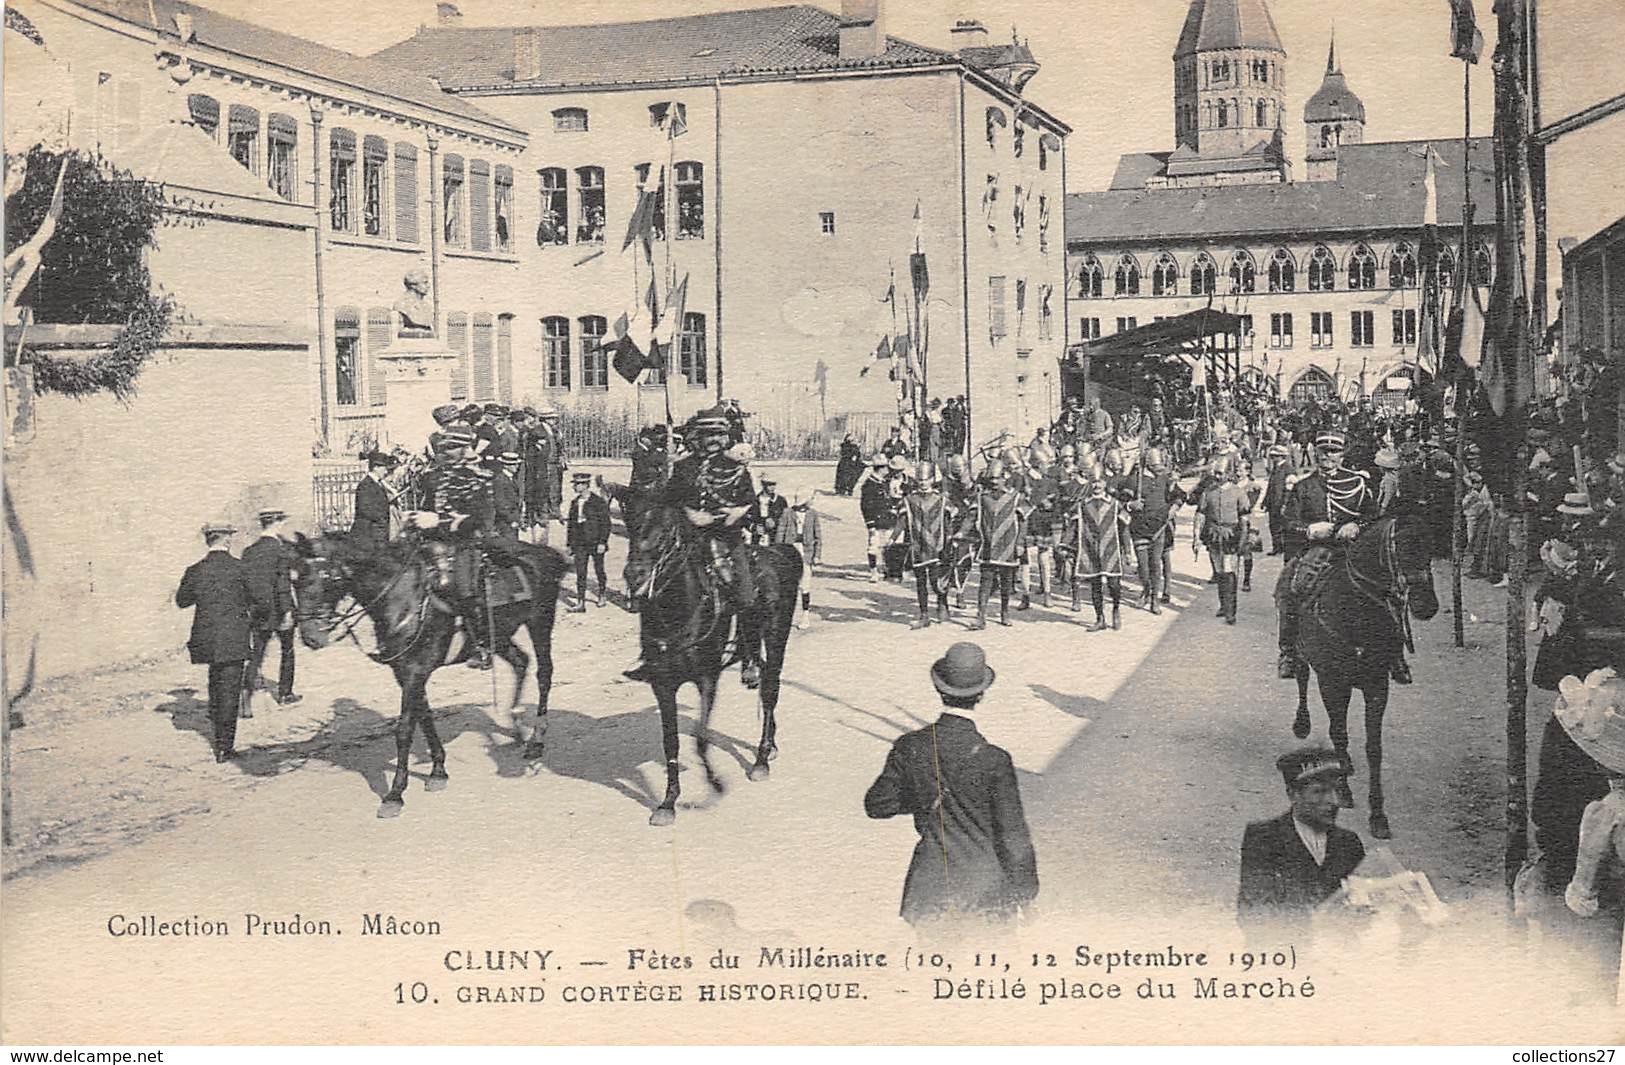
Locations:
1482 267
1402 267
1313 385
1091 279
1325 136
1283 271
1127 277
1204 276
1447 270
1224 113
1362 268
1165 276
1263 114
1243 272
1322 270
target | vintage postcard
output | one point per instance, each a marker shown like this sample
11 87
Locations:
626 522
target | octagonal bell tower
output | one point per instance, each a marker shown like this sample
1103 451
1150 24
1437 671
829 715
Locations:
1229 80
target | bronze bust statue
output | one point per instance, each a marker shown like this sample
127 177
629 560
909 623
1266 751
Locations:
416 313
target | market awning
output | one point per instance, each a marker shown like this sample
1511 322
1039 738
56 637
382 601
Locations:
1183 334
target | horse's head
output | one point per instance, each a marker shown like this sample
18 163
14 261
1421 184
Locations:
1411 559
321 579
659 536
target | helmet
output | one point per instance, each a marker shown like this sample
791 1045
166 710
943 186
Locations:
1014 455
994 471
956 465
925 473
1154 457
1068 451
1116 460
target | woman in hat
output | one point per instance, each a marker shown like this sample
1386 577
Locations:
1387 461
849 466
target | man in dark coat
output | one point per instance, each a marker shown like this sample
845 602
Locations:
267 561
1280 468
975 854
370 530
545 461
507 510
217 585
1292 863
586 534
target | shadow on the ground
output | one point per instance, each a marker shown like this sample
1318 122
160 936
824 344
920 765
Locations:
1082 706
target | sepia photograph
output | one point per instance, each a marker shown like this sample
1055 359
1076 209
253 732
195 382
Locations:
704 522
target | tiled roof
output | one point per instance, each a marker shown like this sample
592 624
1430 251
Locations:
1134 169
690 48
274 47
1334 101
1215 24
1379 186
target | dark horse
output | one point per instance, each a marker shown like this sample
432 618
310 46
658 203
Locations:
415 637
684 622
1351 629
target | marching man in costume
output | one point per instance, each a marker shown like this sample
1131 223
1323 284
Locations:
926 517
1102 544
1324 511
998 522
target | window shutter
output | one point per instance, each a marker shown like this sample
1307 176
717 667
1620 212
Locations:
484 371
479 205
380 328
406 193
505 359
205 112
457 340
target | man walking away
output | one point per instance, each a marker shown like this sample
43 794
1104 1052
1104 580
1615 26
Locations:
267 562
217 585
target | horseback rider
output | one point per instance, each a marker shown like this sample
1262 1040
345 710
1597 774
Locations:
715 490
1324 512
458 489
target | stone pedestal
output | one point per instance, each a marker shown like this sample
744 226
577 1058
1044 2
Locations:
417 379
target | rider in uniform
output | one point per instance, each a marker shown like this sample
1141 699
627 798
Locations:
1323 512
458 491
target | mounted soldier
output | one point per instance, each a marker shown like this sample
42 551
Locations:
1324 512
463 511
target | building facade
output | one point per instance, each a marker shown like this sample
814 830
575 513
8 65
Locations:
1324 271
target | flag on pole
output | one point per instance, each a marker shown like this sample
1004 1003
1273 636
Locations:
1464 337
631 348
1427 339
671 321
920 275
670 117
882 352
1466 42
640 228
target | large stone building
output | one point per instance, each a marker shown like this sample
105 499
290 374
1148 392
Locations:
1322 269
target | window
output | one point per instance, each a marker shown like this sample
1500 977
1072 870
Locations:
1043 223
1362 333
1204 276
1246 330
1243 273
1482 271
995 308
1127 277
1048 144
1046 315
1088 328
406 193
690 201
281 138
1125 324
1322 270
451 200
995 121
484 361
1019 138
504 208
658 219
594 359
590 218
243 136
1263 114
1283 271
1018 211
1312 386
1402 267
1224 114
1090 278
1362 268
1447 270
1165 276
346 348
826 222
556 352
692 359
374 163
205 112
570 120
479 205
1404 328
380 331
1280 330
341 180
554 209
1021 307
505 358
457 341
1320 329
1325 136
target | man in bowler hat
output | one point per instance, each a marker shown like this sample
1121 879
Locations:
1292 863
218 586
975 855
268 563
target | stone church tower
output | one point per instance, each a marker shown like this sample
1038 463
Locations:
1333 117
1229 96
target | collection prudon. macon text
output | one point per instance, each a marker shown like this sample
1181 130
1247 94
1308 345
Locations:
152 926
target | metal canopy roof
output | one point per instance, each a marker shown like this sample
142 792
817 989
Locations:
1181 334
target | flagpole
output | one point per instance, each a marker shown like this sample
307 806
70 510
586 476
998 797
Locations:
1458 524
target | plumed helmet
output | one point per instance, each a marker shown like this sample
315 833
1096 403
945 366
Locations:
925 473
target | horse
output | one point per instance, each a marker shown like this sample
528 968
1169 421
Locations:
414 635
684 619
1350 629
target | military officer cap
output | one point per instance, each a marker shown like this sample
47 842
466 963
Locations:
581 478
712 419
1331 440
1300 766
509 459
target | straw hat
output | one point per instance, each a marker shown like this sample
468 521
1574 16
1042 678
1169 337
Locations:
1388 459
1577 504
1592 712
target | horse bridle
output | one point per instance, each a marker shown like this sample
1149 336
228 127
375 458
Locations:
1394 594
349 619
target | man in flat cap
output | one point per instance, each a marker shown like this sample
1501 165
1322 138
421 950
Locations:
217 586
974 858
269 567
1292 863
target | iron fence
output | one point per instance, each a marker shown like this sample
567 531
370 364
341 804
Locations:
333 496
776 435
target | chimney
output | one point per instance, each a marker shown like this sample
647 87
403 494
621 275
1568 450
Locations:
863 36
527 53
447 15
967 33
